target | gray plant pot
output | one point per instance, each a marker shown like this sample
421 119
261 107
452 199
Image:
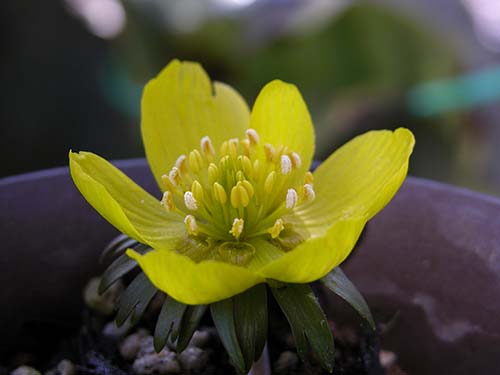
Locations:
428 265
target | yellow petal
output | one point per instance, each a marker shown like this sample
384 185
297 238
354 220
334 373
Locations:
123 203
358 179
280 117
194 283
180 106
316 257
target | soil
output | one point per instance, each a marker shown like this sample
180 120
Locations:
98 347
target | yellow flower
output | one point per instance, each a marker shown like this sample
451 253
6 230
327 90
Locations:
239 206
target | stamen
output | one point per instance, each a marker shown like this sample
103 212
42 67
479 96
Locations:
291 198
309 194
167 201
197 190
245 143
239 196
191 226
246 165
206 146
252 136
308 178
269 151
174 177
219 193
296 160
213 173
277 228
269 183
195 161
190 201
286 165
233 147
248 187
237 228
180 163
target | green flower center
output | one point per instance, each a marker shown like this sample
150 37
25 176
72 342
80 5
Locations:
242 191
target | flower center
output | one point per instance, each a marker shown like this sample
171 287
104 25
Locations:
242 191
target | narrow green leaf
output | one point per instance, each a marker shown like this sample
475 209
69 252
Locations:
223 317
168 323
190 322
307 320
135 299
339 284
250 316
116 247
122 265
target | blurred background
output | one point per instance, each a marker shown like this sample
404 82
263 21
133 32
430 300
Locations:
72 73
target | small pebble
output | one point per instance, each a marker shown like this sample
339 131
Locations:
164 362
103 303
132 344
25 370
112 330
287 361
193 359
66 367
200 339
387 358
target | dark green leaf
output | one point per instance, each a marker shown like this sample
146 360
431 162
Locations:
190 322
135 299
117 246
223 317
339 284
250 316
168 323
122 265
307 320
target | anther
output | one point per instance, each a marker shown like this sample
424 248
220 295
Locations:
269 151
291 198
167 201
245 144
286 165
248 187
190 201
213 173
309 194
206 146
191 225
237 228
195 161
219 193
246 165
269 182
180 163
240 176
296 160
252 136
174 177
277 228
239 196
233 147
308 178
197 190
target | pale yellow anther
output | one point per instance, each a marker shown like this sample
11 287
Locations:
246 165
190 201
296 160
269 182
309 194
191 225
174 177
245 144
195 161
206 146
256 168
291 198
213 173
285 165
167 201
248 187
180 163
224 148
239 196
252 136
308 178
269 151
240 176
237 228
233 147
219 193
277 228
197 190
166 182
